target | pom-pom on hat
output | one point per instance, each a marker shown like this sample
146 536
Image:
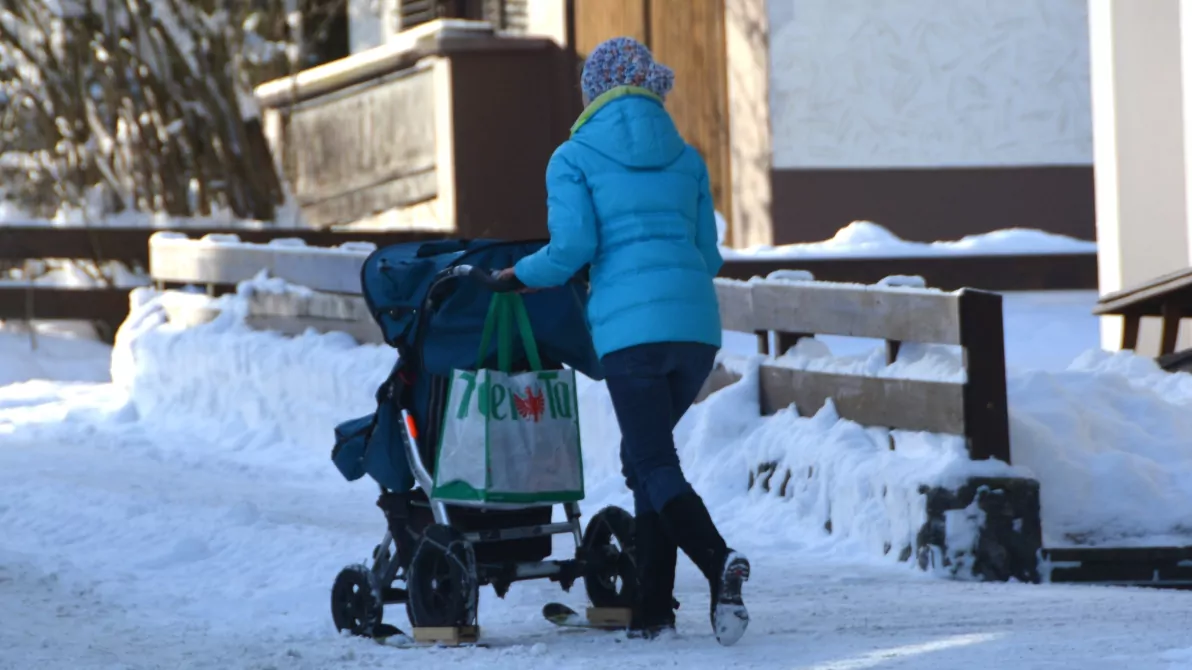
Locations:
623 61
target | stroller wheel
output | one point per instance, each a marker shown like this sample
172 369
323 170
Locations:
356 601
609 575
442 583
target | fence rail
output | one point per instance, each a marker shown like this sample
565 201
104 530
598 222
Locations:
975 408
1033 272
130 245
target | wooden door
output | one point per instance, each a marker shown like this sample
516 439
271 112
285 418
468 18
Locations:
599 20
689 37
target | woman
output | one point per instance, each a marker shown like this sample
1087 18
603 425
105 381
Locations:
629 197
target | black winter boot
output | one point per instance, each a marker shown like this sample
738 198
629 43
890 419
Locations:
655 554
688 521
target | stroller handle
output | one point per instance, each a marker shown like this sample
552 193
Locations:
489 278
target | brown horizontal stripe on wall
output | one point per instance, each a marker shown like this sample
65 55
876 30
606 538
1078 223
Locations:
925 205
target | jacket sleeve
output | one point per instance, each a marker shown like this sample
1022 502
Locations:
571 219
705 229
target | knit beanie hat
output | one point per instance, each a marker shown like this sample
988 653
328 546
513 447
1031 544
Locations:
623 61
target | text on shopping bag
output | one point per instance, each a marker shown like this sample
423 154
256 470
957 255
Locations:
545 396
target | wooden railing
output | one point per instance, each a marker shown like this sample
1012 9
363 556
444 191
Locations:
107 306
974 408
1167 298
130 245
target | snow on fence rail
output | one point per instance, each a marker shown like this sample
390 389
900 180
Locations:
224 259
327 297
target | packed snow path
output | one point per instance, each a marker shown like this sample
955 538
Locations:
124 549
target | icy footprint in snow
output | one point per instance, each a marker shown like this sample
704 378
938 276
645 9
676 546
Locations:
187 550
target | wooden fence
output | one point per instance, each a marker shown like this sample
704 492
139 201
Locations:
1168 298
107 306
130 245
974 408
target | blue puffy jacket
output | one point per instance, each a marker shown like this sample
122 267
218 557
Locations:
629 197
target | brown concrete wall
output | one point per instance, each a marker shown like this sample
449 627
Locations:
933 204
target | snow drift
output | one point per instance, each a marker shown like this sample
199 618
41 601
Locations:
865 239
1107 427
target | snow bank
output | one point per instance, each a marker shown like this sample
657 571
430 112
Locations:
865 239
1111 442
277 399
848 495
1110 438
259 395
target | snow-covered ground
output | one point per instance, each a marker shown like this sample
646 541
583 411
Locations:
49 354
186 514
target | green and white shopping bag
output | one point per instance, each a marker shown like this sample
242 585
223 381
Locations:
510 438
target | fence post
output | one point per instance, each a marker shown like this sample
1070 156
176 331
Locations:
986 418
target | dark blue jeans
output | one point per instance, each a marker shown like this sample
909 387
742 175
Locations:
652 386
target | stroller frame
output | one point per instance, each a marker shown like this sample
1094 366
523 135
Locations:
446 554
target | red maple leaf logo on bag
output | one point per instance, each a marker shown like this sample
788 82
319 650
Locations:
532 406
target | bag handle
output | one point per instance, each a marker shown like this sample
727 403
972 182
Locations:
503 308
490 323
525 330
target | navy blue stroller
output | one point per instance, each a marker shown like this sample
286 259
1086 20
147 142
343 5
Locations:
430 300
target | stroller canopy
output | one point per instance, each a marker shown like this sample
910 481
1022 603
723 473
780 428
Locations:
395 281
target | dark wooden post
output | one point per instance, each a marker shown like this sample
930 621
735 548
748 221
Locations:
1130 325
986 417
1172 314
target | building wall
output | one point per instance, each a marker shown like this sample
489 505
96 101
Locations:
747 41
936 118
1139 89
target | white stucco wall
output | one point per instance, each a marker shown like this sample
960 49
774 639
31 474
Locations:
748 48
930 83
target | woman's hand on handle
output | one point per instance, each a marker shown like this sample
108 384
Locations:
508 275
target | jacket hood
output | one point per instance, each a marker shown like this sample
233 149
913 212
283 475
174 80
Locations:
630 126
